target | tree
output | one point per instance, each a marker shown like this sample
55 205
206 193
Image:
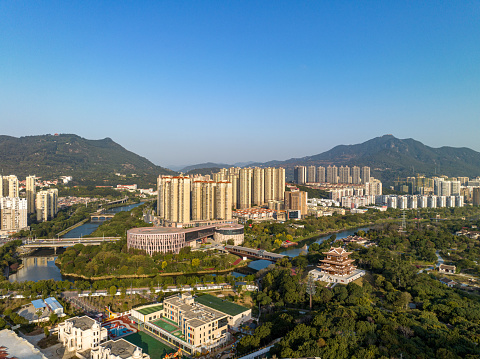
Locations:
46 332
53 318
195 262
112 290
164 265
311 288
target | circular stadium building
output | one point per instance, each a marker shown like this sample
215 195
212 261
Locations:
231 231
171 240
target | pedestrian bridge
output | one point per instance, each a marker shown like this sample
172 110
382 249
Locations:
66 242
254 253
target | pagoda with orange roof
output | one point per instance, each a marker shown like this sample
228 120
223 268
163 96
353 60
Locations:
337 262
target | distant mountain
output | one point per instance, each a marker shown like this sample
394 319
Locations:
204 165
87 161
211 165
390 157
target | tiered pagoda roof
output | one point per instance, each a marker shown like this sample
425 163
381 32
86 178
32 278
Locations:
337 262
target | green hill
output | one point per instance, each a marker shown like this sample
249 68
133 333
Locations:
390 157
88 161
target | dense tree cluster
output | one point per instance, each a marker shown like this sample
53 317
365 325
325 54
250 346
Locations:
396 312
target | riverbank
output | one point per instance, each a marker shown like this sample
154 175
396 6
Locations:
65 231
172 274
310 239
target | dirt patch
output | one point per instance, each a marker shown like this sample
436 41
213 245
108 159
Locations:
47 342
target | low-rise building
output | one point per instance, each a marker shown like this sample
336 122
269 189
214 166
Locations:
81 333
118 349
443 268
198 324
147 313
448 282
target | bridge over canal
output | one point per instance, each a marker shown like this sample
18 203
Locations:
66 242
253 253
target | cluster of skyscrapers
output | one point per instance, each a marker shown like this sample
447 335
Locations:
332 174
186 199
14 211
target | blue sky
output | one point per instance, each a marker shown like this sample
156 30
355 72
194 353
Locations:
228 81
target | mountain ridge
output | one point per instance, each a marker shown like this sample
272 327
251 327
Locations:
390 158
72 155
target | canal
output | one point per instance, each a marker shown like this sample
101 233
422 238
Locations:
41 264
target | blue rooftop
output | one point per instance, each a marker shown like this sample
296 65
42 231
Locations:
38 303
53 303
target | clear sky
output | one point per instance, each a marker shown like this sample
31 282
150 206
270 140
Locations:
228 81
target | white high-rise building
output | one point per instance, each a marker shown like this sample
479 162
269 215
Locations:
13 213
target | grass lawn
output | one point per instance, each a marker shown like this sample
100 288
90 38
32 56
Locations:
164 325
151 346
220 304
150 310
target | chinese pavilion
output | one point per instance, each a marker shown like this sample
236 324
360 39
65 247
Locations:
337 262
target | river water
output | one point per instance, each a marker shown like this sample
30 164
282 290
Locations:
41 265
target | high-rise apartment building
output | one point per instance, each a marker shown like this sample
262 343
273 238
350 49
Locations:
47 204
296 201
476 196
223 200
300 174
332 174
311 174
344 175
13 213
173 203
233 179
31 191
356 179
365 174
9 186
321 174
279 191
245 185
258 186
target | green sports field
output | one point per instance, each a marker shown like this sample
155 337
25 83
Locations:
151 346
220 304
150 310
166 326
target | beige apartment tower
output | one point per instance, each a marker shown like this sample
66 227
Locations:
31 191
46 204
365 174
258 186
344 175
321 174
332 174
356 179
223 200
9 186
311 175
173 203
245 185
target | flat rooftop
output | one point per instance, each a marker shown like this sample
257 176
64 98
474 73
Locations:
120 348
150 310
220 304
82 323
16 347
